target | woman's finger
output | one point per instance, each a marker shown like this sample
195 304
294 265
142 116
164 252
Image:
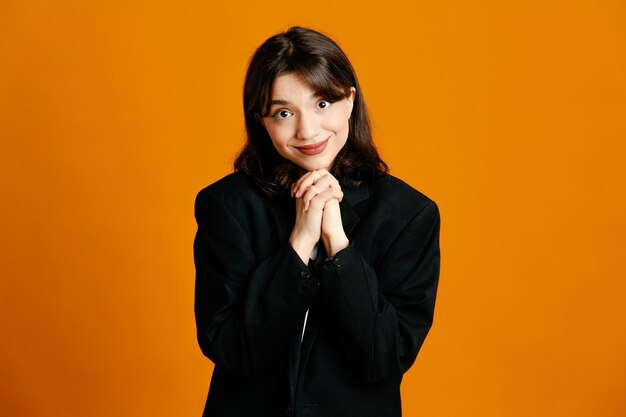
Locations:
311 178
311 192
319 201
329 181
325 182
321 177
306 181
296 185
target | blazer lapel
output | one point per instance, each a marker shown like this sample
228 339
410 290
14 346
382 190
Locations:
351 198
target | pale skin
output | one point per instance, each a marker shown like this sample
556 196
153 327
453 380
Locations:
300 119
318 215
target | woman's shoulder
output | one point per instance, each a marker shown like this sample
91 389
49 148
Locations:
233 191
394 202
395 192
233 182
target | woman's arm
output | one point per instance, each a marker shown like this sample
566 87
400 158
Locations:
247 310
381 329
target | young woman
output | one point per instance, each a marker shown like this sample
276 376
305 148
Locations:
316 271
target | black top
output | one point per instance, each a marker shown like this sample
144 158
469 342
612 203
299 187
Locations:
370 306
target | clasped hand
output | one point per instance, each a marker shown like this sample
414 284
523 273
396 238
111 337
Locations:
317 195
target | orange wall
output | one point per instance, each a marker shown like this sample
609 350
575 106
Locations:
511 115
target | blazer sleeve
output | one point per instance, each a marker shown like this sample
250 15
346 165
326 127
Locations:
381 317
247 310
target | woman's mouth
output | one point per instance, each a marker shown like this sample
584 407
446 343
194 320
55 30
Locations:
313 149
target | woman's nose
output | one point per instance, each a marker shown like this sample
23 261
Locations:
308 127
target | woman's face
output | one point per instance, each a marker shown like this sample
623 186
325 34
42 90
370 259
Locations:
305 128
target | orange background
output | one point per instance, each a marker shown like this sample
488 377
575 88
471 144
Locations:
511 115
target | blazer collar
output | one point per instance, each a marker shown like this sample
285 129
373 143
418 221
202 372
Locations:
284 211
351 198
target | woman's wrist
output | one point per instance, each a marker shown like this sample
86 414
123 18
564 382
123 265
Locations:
302 247
335 243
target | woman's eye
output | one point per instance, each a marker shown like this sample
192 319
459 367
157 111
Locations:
323 104
282 114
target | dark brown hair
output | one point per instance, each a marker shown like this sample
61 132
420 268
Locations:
321 63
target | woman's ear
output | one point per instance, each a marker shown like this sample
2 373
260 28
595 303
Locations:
351 97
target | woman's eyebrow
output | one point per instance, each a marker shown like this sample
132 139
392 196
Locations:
285 102
280 102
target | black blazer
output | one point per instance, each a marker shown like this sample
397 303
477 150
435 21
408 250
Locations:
370 306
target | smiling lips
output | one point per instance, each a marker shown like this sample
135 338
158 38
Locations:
313 149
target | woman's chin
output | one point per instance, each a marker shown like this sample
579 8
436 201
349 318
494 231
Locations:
314 165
